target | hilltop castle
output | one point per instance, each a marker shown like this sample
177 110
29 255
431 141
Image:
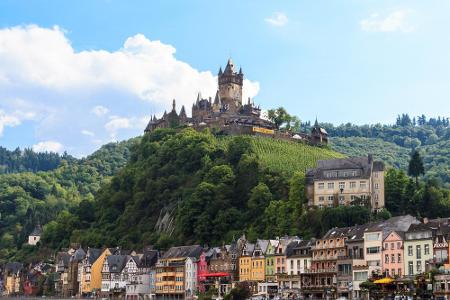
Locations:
228 114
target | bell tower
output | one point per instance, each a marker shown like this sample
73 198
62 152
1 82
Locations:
230 88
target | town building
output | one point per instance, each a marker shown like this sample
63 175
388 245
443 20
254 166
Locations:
12 278
141 281
96 269
85 270
392 263
115 275
170 271
418 249
346 181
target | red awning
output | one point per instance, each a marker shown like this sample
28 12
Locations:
223 274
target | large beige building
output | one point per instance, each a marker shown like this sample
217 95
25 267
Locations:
347 181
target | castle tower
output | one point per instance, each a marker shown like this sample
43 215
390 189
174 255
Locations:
230 87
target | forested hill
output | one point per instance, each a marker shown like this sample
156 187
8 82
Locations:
183 187
27 198
394 143
29 161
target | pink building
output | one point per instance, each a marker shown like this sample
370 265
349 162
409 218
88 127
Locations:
392 264
202 270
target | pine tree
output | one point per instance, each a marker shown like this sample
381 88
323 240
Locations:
415 168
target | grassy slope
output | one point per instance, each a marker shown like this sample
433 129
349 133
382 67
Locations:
289 157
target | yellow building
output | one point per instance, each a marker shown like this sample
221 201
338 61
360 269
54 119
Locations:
245 262
170 271
258 260
12 273
95 275
347 181
85 269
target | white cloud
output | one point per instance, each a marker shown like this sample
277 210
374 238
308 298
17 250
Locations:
99 110
63 88
87 132
48 146
395 21
117 123
7 120
278 19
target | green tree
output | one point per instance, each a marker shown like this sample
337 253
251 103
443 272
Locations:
278 116
415 168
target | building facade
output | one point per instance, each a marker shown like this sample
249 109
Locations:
347 181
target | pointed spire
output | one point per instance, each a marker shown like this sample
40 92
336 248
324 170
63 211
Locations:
249 101
210 100
165 115
220 71
316 124
199 97
240 70
217 98
174 105
183 112
230 67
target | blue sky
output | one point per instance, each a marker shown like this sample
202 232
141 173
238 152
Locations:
77 74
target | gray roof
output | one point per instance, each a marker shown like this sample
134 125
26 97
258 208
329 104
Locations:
262 245
364 164
290 248
400 223
116 263
149 258
78 255
37 231
13 267
183 252
92 254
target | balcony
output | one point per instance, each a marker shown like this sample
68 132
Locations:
320 271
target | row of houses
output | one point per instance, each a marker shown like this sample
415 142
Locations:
335 265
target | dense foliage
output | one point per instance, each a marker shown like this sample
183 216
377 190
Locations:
28 199
29 161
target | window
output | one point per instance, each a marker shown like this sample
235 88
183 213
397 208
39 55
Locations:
330 198
373 250
362 184
410 251
375 174
419 266
321 198
399 245
375 196
352 184
341 199
321 185
393 258
418 252
387 272
392 245
410 268
373 236
399 272
330 185
426 250
360 276
386 246
341 185
386 258
376 186
393 272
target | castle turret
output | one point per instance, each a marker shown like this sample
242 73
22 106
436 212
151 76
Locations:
230 87
183 115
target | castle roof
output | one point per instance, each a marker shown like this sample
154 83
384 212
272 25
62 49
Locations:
229 69
37 231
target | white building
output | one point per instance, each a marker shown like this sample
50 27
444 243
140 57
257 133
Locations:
35 236
190 276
